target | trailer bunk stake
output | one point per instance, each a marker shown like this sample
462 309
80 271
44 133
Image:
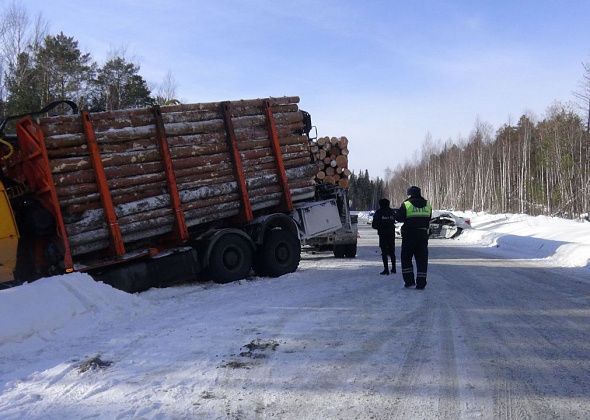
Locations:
181 229
232 144
287 202
103 187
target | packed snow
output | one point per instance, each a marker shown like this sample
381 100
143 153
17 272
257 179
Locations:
553 241
495 334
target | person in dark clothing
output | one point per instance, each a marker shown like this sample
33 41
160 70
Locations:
415 212
384 222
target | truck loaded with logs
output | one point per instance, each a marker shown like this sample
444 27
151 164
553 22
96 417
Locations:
153 196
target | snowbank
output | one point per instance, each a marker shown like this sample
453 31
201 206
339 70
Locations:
560 242
49 304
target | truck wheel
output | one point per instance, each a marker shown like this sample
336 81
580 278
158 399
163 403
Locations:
339 251
280 254
350 251
230 259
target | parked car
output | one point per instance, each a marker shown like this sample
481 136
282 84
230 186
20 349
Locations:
444 224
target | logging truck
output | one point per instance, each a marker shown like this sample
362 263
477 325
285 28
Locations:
148 197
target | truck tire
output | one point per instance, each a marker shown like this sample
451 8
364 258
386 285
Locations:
339 251
230 259
350 250
280 254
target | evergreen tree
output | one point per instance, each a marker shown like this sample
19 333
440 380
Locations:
364 192
22 84
64 71
119 85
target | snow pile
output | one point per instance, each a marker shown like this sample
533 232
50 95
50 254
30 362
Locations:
560 242
49 304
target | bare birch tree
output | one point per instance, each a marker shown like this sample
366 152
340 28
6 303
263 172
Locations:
583 93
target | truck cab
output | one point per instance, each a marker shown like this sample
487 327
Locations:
343 241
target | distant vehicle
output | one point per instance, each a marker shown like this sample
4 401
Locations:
445 225
398 229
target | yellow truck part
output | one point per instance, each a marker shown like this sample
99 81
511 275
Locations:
8 238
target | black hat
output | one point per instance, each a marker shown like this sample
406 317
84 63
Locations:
414 191
384 203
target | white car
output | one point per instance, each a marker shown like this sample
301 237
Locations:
444 224
370 217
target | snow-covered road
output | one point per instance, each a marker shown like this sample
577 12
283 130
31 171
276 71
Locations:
490 337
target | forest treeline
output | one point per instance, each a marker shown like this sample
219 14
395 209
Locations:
365 192
37 67
533 167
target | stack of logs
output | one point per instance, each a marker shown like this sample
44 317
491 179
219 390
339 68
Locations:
331 155
202 163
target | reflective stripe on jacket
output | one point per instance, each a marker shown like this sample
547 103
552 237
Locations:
412 211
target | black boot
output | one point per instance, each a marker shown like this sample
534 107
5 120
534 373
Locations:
385 265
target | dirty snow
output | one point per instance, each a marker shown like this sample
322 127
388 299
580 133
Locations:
496 334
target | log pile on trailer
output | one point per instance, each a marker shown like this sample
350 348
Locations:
331 155
215 155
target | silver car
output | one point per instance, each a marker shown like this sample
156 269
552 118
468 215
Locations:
444 224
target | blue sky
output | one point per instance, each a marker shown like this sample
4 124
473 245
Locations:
383 73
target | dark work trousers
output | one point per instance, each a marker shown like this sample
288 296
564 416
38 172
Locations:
387 245
415 245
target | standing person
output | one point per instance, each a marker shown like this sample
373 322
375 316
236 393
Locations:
384 222
415 212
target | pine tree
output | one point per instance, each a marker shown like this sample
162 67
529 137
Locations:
364 192
64 71
22 83
119 85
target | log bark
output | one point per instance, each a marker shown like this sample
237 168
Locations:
76 202
200 155
172 129
204 173
144 226
144 117
298 177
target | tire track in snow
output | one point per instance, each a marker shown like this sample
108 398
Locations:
263 400
509 316
406 383
492 353
448 405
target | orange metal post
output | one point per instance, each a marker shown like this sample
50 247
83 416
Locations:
103 187
287 203
181 229
232 144
37 171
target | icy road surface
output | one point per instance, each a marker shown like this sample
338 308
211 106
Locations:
490 337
